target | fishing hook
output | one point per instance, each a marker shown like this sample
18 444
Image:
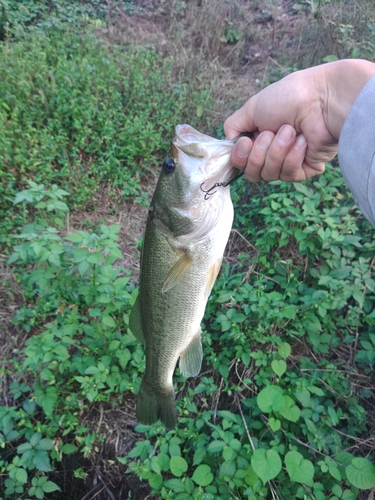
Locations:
208 192
218 184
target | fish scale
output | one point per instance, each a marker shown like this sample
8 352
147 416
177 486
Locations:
185 238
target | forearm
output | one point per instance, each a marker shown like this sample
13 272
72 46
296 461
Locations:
342 84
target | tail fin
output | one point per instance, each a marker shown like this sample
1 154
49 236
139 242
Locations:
153 405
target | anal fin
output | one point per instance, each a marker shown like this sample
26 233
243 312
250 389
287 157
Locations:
191 359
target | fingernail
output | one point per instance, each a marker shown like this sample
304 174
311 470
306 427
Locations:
300 142
244 150
285 134
265 140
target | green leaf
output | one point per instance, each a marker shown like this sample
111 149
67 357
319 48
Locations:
270 399
94 312
349 495
83 267
278 366
335 473
235 444
189 486
45 444
41 461
361 473
39 493
178 465
21 475
175 485
91 370
344 458
174 447
68 448
35 438
215 446
303 397
337 490
316 390
49 487
108 321
163 460
284 350
251 478
123 357
289 311
290 411
199 455
46 399
202 475
266 464
23 447
229 453
155 466
274 424
359 296
228 469
114 345
155 480
299 469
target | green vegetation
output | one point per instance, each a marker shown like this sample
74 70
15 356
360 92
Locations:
283 407
77 113
279 407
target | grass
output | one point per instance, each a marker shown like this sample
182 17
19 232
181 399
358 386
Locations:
288 333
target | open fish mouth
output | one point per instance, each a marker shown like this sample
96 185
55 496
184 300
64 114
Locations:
202 155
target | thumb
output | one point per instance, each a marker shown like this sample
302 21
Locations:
241 120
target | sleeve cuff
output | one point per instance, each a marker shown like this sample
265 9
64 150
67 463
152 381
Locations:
357 150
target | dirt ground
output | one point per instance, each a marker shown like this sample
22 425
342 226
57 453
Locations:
282 37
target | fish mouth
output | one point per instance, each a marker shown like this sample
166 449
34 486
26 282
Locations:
204 156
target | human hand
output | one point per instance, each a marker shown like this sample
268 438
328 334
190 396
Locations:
296 121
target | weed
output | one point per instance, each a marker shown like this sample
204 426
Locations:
79 301
278 412
289 331
76 114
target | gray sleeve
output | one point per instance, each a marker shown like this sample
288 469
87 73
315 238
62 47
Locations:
357 150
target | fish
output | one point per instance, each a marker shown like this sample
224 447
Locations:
188 225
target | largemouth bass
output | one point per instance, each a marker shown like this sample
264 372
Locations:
187 230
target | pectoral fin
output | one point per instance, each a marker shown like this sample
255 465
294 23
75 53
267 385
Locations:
177 272
191 358
135 323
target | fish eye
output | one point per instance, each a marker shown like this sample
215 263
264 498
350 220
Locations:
169 165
